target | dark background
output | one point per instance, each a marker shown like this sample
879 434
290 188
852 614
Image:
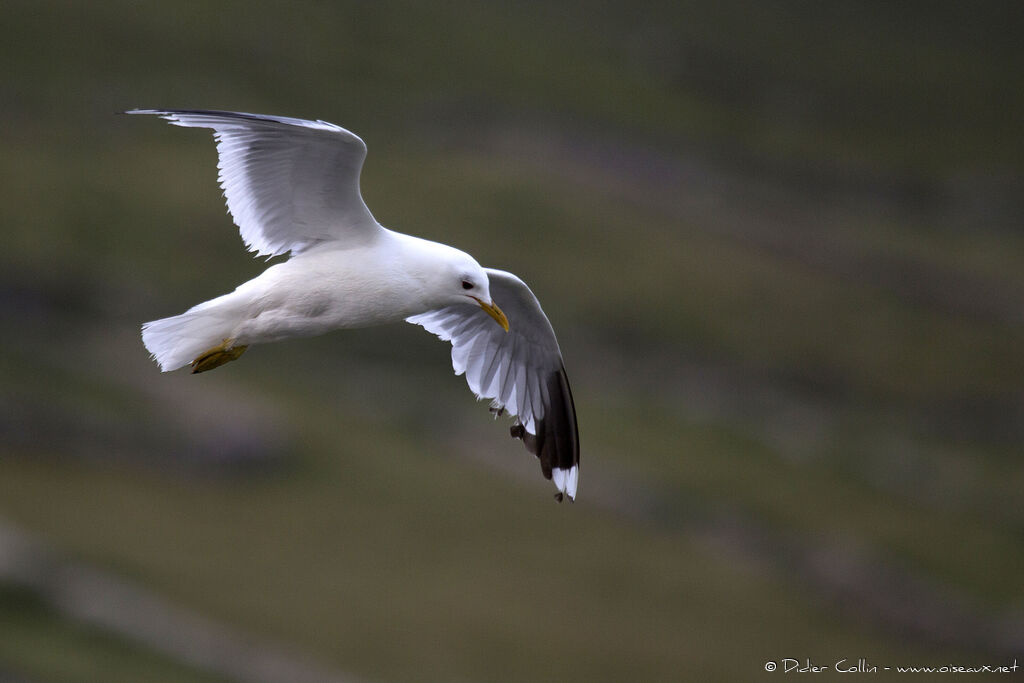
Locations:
782 244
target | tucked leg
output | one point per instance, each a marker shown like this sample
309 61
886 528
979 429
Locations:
223 353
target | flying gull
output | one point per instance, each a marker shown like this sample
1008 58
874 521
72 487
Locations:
293 186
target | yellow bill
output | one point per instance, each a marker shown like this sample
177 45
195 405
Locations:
494 312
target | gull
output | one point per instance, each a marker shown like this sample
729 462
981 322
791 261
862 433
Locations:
292 187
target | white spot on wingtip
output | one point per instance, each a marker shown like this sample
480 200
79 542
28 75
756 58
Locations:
572 480
566 480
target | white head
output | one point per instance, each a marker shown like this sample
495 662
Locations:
456 278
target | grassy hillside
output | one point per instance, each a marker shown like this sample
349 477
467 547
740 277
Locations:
780 243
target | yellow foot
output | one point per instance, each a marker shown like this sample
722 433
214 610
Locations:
217 356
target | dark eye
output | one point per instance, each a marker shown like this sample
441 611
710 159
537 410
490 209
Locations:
466 284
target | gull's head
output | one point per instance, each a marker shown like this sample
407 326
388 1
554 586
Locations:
462 281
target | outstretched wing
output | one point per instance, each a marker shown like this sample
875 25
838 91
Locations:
521 370
289 183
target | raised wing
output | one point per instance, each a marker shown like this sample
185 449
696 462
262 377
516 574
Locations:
521 370
289 183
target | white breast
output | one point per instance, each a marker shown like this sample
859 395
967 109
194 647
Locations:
330 288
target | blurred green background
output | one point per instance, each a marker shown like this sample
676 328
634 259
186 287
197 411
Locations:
782 244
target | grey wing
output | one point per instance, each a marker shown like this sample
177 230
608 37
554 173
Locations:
289 183
521 371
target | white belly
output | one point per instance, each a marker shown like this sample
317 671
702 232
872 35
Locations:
318 292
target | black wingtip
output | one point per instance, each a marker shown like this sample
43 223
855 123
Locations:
556 443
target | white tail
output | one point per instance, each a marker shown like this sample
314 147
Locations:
177 341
